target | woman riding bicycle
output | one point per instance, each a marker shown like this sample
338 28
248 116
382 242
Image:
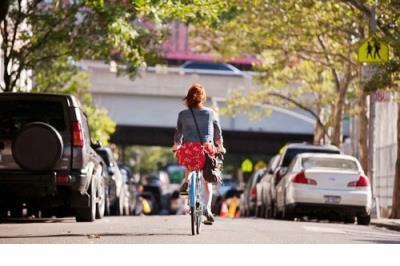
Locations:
187 144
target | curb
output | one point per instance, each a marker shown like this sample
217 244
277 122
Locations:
394 227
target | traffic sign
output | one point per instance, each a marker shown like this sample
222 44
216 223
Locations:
373 50
247 166
259 165
382 96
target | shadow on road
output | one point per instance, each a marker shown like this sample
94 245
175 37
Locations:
36 220
94 236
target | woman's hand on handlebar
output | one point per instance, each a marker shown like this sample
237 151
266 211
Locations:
221 149
175 148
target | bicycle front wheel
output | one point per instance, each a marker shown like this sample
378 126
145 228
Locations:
193 219
198 221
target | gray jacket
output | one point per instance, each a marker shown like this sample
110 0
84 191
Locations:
210 128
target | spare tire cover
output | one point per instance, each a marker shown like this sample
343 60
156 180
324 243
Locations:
37 147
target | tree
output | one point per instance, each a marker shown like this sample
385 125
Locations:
35 32
149 159
388 22
63 77
287 34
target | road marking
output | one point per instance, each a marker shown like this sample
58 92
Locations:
362 232
323 229
374 233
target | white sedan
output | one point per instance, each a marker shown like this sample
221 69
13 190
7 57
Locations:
330 186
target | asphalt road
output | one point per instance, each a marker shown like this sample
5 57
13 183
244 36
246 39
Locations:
176 229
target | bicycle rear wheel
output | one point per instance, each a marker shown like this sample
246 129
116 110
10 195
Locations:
193 217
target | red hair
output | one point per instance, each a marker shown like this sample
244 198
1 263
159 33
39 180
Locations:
195 96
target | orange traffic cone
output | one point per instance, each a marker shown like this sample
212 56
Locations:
224 210
233 205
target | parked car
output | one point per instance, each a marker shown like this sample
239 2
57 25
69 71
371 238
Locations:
287 154
115 198
221 190
325 186
130 188
264 201
158 185
175 173
210 67
47 159
248 198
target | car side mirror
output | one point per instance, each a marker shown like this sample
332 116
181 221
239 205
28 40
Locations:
283 171
97 145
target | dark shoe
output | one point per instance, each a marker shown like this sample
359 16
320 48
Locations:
210 218
184 189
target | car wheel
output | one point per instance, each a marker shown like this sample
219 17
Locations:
274 212
126 206
107 209
348 220
16 212
118 208
101 201
287 214
3 213
88 214
363 219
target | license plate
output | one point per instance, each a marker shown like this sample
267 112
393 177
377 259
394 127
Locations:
332 199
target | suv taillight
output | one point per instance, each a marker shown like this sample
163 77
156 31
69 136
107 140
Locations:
77 135
361 182
253 192
301 178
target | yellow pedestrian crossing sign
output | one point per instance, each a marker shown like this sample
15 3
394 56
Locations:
373 50
247 166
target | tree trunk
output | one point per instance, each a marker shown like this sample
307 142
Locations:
396 189
4 4
363 131
318 134
338 117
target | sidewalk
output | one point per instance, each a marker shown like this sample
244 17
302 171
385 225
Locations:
392 224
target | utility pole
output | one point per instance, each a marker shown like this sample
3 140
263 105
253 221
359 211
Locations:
372 114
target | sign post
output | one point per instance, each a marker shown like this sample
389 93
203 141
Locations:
372 51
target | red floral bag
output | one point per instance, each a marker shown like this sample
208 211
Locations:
192 155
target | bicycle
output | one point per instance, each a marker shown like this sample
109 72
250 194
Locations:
196 208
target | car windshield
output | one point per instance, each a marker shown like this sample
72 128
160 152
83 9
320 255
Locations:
14 114
209 66
331 163
291 153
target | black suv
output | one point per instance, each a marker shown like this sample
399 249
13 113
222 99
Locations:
47 159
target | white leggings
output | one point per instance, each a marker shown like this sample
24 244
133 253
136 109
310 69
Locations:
207 191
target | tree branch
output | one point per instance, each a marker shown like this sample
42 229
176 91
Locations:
286 98
334 72
359 5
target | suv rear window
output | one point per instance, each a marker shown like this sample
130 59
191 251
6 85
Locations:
291 153
15 114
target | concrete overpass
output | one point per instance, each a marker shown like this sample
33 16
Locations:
145 109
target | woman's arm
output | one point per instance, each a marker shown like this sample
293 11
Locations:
178 136
218 140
